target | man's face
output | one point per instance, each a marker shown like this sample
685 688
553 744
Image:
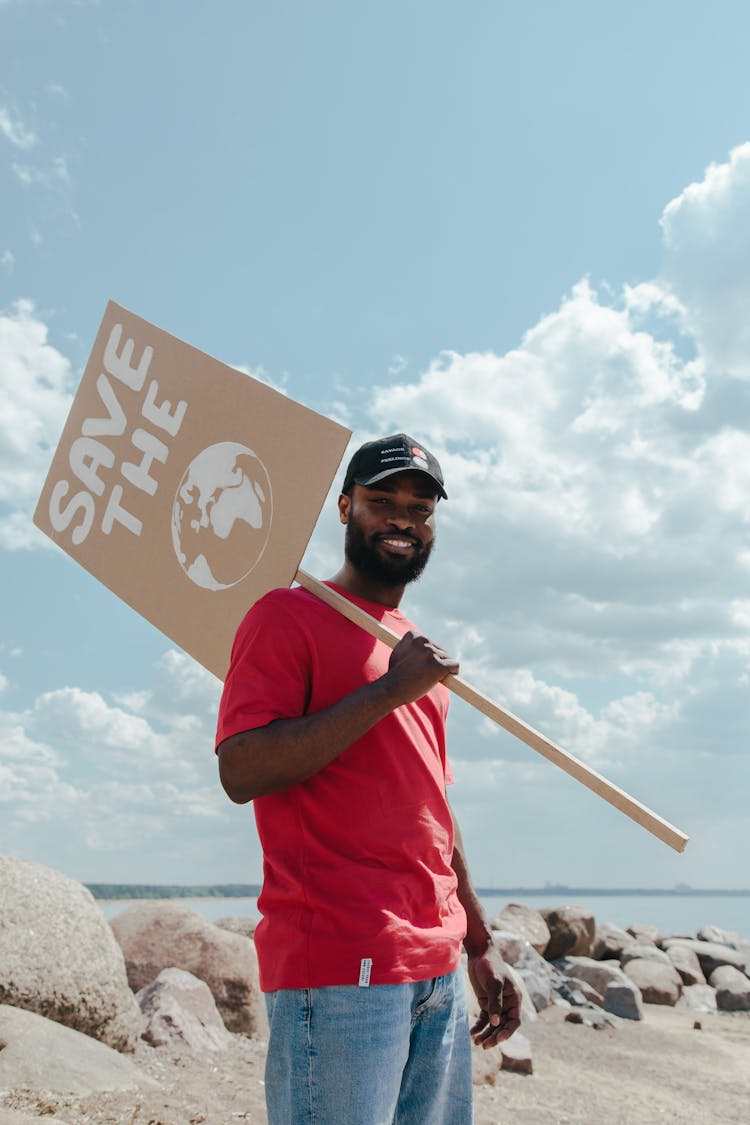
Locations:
390 527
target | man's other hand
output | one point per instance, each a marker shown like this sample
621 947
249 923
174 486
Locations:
498 996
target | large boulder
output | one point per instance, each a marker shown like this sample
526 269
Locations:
180 1011
610 941
698 998
623 998
511 945
687 964
732 989
162 935
238 924
572 931
39 1054
645 934
721 937
658 984
638 952
538 976
597 974
710 954
58 956
521 919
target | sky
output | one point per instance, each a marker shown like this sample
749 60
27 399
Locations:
520 233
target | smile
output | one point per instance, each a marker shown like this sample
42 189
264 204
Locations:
398 544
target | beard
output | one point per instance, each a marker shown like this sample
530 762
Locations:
390 571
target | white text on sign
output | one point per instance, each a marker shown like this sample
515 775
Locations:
91 460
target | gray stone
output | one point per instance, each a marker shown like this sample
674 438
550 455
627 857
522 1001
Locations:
58 957
687 964
732 989
697 998
710 953
610 941
537 974
162 935
639 952
645 934
242 924
521 919
39 1054
572 931
511 945
721 937
597 974
658 984
516 1053
593 1018
180 1010
623 998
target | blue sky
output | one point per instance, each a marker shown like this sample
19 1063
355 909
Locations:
520 233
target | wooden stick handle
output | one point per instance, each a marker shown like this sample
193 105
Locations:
550 750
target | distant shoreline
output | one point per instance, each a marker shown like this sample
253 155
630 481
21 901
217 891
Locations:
113 892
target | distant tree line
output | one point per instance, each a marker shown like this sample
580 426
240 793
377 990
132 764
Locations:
171 890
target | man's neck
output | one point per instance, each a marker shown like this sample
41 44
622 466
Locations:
348 578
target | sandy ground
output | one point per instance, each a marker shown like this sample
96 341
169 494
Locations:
660 1070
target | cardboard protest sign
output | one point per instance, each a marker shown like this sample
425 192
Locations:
185 486
190 490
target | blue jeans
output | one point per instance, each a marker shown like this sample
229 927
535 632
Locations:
391 1054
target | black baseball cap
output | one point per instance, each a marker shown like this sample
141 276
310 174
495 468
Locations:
376 460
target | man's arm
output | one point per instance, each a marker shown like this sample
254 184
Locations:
499 1001
272 758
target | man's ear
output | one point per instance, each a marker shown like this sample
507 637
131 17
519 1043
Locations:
345 505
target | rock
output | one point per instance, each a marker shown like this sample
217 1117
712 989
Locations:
238 924
180 1010
645 934
697 998
721 937
537 974
623 998
687 964
638 952
658 984
732 989
592 1018
521 919
610 941
597 974
572 931
39 1054
162 935
58 957
516 1054
709 953
510 945
571 994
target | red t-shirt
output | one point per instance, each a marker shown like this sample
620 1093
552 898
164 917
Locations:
357 859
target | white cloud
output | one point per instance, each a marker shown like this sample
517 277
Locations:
7 261
707 243
14 130
35 396
84 776
55 176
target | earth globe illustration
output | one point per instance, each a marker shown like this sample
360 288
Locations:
221 517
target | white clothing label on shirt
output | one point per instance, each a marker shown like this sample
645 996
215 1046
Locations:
365 968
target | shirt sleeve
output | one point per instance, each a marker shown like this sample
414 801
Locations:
269 670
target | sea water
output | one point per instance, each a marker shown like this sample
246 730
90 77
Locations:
670 913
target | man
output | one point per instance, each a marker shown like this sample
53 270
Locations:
340 744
